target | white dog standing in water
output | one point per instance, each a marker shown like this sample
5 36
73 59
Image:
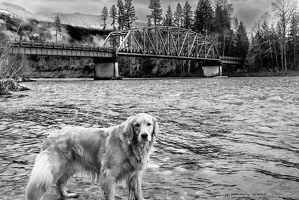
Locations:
114 154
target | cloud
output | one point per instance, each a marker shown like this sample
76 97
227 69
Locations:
249 11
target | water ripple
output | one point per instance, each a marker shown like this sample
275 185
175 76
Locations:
234 138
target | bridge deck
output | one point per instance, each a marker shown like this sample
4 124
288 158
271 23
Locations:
74 50
52 49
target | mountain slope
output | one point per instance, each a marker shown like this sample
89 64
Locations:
19 12
75 19
82 20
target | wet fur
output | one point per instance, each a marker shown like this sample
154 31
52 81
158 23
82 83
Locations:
111 154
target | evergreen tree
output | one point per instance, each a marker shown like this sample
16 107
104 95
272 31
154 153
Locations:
121 14
168 17
178 16
223 12
149 21
222 25
242 41
235 24
187 16
129 14
156 11
204 16
254 54
113 15
104 16
57 27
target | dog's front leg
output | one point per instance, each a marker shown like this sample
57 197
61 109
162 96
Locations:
108 187
134 185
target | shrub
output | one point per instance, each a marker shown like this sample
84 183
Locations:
80 33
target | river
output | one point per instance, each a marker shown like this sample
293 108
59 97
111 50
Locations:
231 138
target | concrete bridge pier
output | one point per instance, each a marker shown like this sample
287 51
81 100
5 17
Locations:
105 69
211 68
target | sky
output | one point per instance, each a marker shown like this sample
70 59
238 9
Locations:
248 11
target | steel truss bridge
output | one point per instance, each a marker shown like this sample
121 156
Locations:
162 42
152 42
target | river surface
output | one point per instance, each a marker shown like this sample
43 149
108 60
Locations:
232 138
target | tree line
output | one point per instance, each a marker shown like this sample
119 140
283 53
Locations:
211 18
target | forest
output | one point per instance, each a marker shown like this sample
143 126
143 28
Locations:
270 46
213 19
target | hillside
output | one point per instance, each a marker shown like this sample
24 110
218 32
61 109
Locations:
75 19
82 20
16 11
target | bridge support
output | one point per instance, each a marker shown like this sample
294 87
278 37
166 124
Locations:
105 69
211 69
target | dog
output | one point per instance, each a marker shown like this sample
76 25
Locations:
112 154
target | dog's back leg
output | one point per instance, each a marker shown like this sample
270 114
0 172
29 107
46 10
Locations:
62 182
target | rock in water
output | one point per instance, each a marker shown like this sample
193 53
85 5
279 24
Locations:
9 84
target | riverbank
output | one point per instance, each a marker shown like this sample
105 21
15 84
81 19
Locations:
265 74
89 73
8 85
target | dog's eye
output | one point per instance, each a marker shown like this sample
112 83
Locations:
149 124
137 125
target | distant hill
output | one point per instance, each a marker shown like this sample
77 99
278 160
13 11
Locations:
82 20
75 19
16 11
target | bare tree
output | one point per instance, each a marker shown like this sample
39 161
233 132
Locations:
284 10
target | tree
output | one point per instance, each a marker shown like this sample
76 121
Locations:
222 24
284 10
294 38
57 27
129 14
168 17
223 12
113 15
178 16
264 52
121 14
203 18
156 11
104 16
187 15
149 21
242 41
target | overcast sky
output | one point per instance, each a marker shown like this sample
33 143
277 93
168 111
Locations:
247 11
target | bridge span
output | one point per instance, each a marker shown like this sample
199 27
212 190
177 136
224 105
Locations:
152 42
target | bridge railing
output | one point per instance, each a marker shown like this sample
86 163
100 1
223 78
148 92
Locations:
231 58
49 45
132 50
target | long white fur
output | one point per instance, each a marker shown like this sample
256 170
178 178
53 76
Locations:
41 176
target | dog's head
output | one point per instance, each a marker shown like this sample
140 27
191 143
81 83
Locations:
141 127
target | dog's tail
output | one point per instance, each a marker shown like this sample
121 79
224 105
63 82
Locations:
41 177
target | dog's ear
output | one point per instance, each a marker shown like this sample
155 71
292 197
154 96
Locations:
156 127
128 130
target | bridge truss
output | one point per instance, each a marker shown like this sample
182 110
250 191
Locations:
162 42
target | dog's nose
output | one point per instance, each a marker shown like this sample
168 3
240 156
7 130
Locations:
144 136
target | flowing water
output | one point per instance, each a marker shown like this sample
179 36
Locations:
233 138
